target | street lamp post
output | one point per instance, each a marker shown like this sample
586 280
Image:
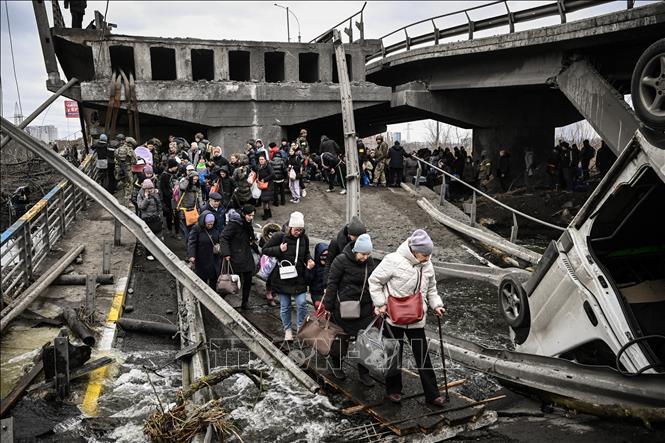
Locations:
288 26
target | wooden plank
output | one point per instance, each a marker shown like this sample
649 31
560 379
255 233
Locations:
20 387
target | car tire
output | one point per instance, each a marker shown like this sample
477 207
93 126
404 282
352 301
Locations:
648 86
513 303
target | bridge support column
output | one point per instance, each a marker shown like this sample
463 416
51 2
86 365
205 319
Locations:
514 139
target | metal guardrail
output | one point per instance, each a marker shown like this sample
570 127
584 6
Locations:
515 212
560 8
328 35
26 243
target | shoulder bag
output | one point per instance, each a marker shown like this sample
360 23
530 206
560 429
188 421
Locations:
227 283
406 310
350 310
216 247
191 215
320 333
289 271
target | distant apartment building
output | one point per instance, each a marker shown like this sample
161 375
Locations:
47 133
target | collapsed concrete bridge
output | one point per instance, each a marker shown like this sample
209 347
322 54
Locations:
510 89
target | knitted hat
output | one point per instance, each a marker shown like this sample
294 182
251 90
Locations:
420 242
215 196
147 170
363 244
209 218
297 220
356 227
148 184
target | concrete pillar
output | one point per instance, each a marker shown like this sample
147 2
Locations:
232 138
142 62
221 56
325 66
291 66
514 139
357 66
101 59
257 69
183 63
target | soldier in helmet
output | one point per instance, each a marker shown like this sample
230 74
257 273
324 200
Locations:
381 156
124 159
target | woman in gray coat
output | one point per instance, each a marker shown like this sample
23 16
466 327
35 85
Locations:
149 203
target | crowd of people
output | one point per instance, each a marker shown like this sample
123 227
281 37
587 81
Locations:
210 201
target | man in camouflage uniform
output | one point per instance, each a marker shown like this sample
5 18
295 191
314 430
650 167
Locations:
124 159
381 156
484 170
302 142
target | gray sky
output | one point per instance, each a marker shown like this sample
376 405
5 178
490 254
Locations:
223 20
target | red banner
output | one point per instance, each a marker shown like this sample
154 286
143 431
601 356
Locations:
71 109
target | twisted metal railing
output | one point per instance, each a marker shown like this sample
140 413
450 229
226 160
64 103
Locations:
328 35
27 242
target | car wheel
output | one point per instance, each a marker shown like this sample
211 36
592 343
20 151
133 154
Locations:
648 86
513 303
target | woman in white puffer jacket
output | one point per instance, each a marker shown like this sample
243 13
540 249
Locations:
399 274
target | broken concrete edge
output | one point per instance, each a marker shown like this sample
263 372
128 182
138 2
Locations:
488 237
263 348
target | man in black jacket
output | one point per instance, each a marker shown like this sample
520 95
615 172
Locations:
396 156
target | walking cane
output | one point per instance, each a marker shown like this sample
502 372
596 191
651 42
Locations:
443 359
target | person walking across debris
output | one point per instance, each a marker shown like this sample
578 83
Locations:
347 284
396 156
238 243
295 168
381 157
279 167
124 159
289 277
408 273
203 248
149 204
243 191
332 166
215 207
268 231
265 177
167 181
186 201
348 234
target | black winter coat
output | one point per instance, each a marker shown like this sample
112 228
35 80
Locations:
396 156
266 174
238 241
279 167
348 281
328 145
292 286
336 246
199 245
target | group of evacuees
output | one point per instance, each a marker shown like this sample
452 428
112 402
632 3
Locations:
208 199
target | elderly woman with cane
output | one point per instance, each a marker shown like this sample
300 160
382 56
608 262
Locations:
402 286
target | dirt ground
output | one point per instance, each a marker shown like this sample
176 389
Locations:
390 214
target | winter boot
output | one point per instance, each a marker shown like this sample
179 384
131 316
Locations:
269 213
265 215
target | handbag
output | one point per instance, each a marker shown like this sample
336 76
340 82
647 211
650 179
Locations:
263 185
289 271
191 215
227 283
407 310
216 247
320 333
350 310
292 174
251 177
256 192
377 353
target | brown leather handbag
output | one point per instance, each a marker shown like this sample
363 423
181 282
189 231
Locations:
320 333
407 310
